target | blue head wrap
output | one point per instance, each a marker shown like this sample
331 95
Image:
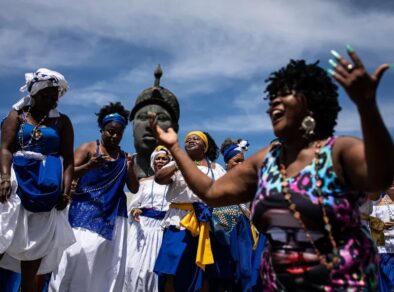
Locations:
233 149
115 117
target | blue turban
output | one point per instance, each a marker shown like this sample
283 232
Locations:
233 149
116 118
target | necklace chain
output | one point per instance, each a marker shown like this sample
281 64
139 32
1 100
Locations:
297 215
35 134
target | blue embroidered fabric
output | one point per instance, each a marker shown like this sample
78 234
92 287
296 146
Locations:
99 198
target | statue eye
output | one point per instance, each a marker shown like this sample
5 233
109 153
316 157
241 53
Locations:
162 118
142 116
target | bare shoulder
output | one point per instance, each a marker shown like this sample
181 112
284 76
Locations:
256 160
87 147
346 144
65 120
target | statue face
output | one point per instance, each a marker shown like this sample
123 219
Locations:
144 141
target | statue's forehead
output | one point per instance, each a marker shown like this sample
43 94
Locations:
155 108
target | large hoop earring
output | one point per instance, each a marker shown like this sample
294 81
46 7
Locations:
308 125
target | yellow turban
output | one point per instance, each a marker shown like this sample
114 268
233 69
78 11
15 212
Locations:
201 135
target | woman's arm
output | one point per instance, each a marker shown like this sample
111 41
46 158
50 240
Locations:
8 137
236 186
164 175
368 165
67 152
132 181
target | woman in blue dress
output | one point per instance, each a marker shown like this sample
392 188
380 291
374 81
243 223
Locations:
98 212
36 165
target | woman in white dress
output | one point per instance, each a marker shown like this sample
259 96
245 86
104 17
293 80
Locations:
36 163
148 208
98 212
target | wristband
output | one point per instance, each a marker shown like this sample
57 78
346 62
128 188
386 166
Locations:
5 177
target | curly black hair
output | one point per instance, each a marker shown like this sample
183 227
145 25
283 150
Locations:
213 150
226 143
111 108
311 82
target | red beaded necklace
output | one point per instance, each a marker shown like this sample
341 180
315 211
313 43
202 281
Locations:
297 215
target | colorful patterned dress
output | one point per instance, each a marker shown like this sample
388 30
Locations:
357 268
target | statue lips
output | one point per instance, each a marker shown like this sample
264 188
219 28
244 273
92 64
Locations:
148 137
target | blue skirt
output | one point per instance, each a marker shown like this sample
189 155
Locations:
386 272
9 281
177 258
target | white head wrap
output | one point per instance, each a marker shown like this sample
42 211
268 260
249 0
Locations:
159 150
39 80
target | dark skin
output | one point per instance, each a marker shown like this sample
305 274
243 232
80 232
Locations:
194 147
361 165
45 100
86 157
235 160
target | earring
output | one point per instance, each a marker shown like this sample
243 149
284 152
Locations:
308 126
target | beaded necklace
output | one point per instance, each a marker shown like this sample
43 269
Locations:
297 215
35 134
198 163
163 199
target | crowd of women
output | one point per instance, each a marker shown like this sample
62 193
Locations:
289 218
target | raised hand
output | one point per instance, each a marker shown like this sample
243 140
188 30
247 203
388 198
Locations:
357 82
167 138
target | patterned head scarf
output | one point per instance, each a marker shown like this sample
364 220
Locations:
159 150
39 80
200 135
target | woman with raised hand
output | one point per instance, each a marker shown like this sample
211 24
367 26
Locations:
98 212
147 210
36 164
306 185
186 251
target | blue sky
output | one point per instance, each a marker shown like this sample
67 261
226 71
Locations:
215 55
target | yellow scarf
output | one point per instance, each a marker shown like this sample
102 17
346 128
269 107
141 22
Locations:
204 254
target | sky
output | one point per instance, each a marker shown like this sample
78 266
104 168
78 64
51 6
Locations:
215 56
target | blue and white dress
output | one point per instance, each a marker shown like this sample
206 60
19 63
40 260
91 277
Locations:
98 215
30 226
145 236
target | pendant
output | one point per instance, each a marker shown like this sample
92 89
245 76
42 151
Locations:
36 134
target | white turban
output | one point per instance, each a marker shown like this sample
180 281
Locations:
39 80
159 150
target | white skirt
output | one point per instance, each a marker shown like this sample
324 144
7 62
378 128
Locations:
27 236
143 245
93 263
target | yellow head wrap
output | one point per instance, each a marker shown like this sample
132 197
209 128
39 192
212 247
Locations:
200 135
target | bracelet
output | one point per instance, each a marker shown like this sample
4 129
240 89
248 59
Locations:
5 177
